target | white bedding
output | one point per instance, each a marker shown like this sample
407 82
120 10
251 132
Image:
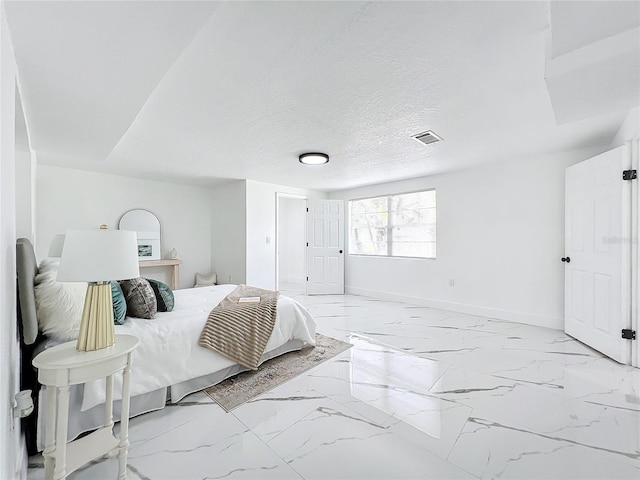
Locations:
169 353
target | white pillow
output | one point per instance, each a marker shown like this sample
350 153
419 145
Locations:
58 304
205 280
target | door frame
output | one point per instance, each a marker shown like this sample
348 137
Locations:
280 195
633 146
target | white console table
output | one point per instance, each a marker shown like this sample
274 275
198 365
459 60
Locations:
175 270
62 366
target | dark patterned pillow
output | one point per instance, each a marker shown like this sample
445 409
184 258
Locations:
164 295
119 303
141 301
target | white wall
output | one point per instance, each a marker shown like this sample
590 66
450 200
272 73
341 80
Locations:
291 248
500 235
229 232
630 128
77 199
12 454
261 230
25 195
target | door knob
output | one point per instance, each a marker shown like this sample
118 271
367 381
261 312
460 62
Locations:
340 251
566 259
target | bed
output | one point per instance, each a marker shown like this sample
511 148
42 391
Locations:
168 363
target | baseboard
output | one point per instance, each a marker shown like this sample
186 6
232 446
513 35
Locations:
489 312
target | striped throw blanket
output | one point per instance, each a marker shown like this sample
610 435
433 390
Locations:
240 330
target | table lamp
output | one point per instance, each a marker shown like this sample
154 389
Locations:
98 256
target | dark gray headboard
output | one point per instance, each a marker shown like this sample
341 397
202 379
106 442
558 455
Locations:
27 267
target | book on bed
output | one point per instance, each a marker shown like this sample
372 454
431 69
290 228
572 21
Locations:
249 300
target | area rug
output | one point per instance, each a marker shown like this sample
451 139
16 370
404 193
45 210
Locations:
245 386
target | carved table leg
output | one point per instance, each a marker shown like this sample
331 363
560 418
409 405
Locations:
50 432
124 421
59 472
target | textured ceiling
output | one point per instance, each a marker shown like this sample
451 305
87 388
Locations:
200 91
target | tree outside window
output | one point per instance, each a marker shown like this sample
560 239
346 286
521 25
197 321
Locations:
394 225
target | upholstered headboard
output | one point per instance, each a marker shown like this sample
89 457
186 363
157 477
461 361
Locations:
27 267
31 342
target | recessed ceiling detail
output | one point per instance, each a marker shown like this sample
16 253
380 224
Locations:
592 63
164 90
427 137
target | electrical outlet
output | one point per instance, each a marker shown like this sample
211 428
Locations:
452 282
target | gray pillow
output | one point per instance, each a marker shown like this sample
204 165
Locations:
141 301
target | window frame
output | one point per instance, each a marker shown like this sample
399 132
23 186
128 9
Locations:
389 227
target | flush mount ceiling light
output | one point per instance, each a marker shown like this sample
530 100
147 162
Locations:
314 158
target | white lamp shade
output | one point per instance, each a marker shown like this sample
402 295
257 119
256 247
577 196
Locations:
99 255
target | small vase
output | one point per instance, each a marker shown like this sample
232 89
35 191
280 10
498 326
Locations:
173 254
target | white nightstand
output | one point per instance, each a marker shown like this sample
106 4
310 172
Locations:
62 366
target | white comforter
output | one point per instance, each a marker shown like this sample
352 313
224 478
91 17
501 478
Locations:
168 352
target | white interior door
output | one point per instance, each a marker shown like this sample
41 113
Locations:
598 253
325 247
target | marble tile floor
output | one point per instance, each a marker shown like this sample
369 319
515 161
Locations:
422 394
292 289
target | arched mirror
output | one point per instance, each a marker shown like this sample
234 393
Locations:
147 226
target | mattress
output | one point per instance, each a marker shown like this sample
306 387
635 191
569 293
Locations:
168 352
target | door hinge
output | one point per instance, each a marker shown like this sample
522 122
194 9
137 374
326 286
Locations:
307 244
307 209
628 334
629 174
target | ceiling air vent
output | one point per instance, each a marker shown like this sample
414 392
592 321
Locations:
426 137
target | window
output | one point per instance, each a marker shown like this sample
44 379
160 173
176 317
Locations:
394 225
